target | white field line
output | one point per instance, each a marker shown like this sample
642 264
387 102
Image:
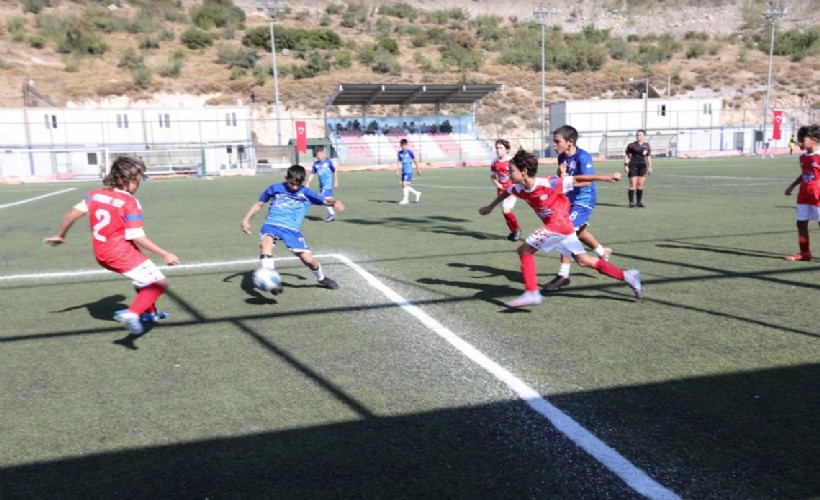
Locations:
634 477
6 205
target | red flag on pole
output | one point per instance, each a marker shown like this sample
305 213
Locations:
301 137
778 118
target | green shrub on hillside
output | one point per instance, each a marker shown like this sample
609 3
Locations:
400 10
236 56
194 38
797 44
78 39
217 14
35 6
290 38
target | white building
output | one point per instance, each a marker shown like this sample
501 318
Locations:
61 142
673 126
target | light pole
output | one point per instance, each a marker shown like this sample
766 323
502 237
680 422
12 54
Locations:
541 12
772 14
272 10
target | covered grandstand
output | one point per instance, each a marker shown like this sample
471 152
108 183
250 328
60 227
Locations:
433 137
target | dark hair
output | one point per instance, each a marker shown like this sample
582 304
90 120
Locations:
568 132
812 131
124 170
296 173
319 148
403 142
641 131
503 142
526 162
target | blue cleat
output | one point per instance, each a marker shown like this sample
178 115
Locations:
147 317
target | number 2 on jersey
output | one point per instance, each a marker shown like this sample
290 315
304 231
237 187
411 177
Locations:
103 219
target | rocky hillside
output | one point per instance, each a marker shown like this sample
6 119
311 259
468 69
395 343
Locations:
733 71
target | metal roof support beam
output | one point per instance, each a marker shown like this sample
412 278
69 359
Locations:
412 97
375 95
453 94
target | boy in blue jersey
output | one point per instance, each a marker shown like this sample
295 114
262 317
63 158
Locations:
574 161
406 160
289 202
328 179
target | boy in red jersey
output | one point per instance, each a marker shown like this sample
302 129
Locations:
808 197
546 196
500 175
117 235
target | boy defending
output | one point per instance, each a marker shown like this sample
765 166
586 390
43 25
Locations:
407 160
328 179
117 234
546 196
289 202
808 197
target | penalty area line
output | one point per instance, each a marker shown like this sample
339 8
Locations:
27 200
634 477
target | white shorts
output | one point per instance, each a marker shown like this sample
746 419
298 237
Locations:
144 274
808 212
509 202
567 245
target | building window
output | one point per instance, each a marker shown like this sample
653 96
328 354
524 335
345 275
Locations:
165 121
230 119
240 153
122 121
662 110
51 121
92 158
707 108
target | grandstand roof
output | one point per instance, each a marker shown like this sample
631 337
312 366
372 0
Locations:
365 94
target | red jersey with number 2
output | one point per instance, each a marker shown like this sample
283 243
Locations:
116 220
809 193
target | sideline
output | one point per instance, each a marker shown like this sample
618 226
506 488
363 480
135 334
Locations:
6 205
607 456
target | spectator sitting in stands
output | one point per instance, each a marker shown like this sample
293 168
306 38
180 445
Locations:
446 128
372 127
434 129
357 126
423 128
412 128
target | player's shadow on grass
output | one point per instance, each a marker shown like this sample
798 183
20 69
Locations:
104 308
721 250
431 224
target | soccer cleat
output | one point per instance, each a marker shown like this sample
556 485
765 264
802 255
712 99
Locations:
799 256
640 205
404 202
631 204
330 218
418 196
329 284
607 254
557 283
147 317
131 320
515 235
526 299
633 279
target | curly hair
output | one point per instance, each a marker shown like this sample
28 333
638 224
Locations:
525 162
123 171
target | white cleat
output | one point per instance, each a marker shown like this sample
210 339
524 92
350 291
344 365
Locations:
526 299
633 279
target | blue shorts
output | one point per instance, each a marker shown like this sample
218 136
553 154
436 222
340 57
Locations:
327 192
407 177
579 215
293 239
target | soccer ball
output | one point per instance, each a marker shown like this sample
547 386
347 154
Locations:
267 280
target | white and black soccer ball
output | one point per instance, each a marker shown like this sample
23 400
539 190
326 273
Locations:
267 279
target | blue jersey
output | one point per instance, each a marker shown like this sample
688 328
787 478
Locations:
324 169
406 159
580 164
287 209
